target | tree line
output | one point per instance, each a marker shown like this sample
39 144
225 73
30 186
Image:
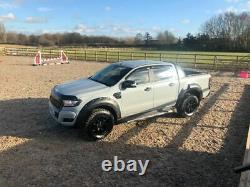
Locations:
224 32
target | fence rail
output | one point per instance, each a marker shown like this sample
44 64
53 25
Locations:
195 60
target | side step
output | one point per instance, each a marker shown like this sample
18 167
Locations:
148 115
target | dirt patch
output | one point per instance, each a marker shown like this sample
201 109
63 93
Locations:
196 151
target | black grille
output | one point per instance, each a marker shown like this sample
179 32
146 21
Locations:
57 103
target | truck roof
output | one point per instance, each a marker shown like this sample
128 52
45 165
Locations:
138 63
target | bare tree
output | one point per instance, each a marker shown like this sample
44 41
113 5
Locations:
129 40
2 33
22 39
166 37
12 38
231 28
45 40
139 38
147 38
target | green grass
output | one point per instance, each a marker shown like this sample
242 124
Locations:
191 58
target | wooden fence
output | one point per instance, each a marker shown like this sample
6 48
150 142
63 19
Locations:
195 60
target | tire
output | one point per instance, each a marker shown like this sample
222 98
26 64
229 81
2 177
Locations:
99 124
188 106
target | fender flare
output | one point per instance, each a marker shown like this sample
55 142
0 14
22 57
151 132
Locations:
194 89
102 102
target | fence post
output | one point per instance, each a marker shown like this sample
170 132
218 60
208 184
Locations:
50 53
80 54
75 55
85 57
195 56
106 56
131 56
118 58
145 56
215 59
237 62
160 57
96 56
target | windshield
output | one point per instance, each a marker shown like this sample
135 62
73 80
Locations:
111 74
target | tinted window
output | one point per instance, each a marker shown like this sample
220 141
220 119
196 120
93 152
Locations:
140 76
163 73
111 74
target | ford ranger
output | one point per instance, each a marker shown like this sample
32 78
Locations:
127 90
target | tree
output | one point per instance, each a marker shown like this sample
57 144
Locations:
12 38
45 40
22 39
147 38
139 38
128 41
166 37
189 41
33 40
3 35
228 30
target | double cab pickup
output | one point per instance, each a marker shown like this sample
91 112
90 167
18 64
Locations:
127 90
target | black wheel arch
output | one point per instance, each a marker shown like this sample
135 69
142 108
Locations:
103 102
193 89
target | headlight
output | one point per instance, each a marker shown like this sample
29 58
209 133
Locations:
71 102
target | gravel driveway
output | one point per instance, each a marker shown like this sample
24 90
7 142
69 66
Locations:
196 151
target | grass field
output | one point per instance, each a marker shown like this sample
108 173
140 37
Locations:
207 60
127 49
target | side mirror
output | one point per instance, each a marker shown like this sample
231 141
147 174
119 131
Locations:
128 84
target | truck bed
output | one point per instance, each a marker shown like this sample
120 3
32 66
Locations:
191 72
196 77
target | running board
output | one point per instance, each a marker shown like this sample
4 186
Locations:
147 115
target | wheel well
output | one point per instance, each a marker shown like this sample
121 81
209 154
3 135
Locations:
196 93
84 113
113 112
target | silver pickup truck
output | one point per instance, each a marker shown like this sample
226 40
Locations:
127 90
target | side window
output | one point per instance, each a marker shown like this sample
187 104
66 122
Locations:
163 73
140 76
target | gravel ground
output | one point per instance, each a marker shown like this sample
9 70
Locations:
196 151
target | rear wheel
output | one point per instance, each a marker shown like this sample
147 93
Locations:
99 124
188 106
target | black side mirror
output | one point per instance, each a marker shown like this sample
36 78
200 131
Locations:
128 84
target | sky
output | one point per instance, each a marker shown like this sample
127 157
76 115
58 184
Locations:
119 18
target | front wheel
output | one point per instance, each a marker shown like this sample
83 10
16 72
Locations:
188 106
99 124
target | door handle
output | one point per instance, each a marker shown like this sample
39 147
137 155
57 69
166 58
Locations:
147 89
171 84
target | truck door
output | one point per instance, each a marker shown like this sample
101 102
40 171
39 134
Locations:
138 99
165 85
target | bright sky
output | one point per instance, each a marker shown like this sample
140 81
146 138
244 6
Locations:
113 17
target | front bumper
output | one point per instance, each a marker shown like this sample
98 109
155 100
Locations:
65 116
